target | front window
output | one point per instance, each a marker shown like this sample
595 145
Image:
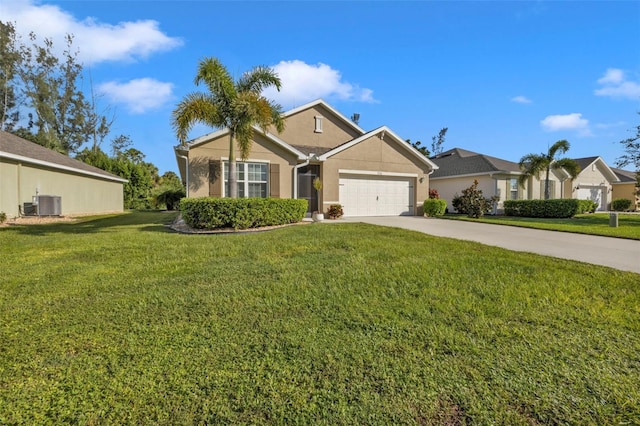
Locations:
513 189
252 179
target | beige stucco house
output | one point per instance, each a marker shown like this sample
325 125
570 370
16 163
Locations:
595 182
68 186
374 173
458 168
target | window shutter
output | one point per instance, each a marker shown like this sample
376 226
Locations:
274 180
215 183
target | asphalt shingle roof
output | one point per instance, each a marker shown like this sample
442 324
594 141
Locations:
625 175
456 161
15 145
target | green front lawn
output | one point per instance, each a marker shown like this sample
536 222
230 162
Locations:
116 320
594 224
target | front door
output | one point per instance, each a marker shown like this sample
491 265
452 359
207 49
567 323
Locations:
306 191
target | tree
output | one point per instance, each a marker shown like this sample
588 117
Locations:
9 62
534 164
38 84
236 105
632 152
438 141
418 145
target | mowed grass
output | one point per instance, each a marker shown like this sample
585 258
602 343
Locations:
116 320
593 224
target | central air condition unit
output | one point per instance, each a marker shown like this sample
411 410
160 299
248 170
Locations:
49 205
29 209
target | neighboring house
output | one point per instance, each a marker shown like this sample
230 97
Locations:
595 182
373 173
28 170
458 168
627 187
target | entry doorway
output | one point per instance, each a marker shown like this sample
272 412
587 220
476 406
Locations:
306 191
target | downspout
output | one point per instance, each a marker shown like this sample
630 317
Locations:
186 162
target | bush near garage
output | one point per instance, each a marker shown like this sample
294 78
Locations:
335 211
241 213
556 208
621 204
434 207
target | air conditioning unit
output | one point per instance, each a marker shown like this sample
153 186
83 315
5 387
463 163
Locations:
49 205
30 209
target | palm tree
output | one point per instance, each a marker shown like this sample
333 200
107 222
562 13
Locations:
534 164
235 105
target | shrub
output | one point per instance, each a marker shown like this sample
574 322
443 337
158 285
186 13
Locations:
3 217
556 208
433 193
434 207
241 213
335 211
170 198
621 204
472 202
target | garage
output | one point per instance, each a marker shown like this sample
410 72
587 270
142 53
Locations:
596 194
374 195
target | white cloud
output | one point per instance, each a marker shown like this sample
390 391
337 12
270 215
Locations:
616 85
138 95
573 121
302 83
521 100
95 41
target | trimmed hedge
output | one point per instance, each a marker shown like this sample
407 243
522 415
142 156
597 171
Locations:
556 208
621 204
433 207
241 213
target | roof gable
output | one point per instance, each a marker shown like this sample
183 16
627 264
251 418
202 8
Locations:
384 130
19 149
587 162
329 108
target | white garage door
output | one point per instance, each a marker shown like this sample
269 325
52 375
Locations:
364 195
594 193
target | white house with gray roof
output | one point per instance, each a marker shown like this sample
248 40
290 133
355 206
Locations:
28 170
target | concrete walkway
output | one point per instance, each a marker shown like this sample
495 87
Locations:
613 252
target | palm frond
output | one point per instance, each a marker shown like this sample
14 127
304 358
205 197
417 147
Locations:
560 147
216 77
258 79
569 165
194 108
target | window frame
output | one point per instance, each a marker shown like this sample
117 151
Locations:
242 170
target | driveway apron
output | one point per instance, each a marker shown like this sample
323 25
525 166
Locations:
616 253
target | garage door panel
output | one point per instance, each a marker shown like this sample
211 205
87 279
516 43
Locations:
376 195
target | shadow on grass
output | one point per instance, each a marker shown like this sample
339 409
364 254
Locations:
148 221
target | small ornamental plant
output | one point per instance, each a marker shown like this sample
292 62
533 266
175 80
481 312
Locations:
317 185
335 211
433 194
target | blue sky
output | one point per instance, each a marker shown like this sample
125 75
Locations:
506 78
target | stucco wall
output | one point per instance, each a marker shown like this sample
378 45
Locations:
450 187
80 194
374 154
262 151
626 190
300 128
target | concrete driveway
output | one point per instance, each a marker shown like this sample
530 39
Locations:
613 252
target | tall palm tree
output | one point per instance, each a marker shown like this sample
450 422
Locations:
236 105
534 164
